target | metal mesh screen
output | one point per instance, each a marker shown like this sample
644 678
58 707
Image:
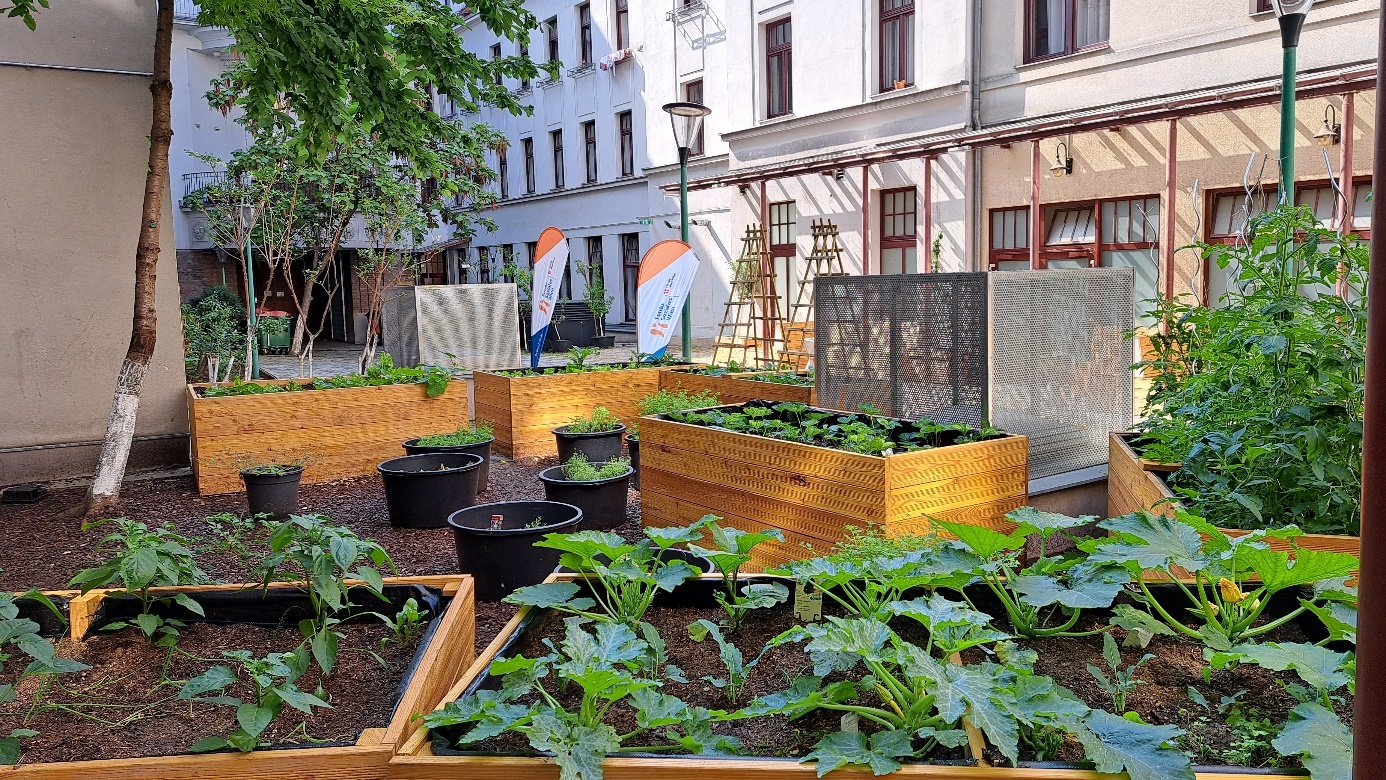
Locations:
910 345
465 326
1060 362
399 328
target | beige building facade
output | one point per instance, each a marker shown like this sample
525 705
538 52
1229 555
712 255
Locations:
75 115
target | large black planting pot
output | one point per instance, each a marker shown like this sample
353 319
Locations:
272 494
482 450
495 543
596 447
422 490
602 501
633 445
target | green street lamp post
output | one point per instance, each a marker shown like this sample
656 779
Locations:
1290 14
247 222
687 120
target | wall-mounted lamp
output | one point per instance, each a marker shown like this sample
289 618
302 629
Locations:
1331 134
1063 163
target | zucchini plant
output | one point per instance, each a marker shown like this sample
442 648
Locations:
865 585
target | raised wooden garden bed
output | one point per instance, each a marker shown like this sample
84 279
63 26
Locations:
341 432
448 655
526 409
736 388
1135 484
810 493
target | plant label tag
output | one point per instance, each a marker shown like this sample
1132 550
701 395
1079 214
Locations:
497 522
850 721
808 606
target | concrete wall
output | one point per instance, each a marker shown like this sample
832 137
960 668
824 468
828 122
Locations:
70 195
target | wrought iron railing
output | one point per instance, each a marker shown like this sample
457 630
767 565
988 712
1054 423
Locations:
194 183
185 10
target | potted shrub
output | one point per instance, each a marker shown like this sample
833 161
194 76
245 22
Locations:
597 436
599 491
660 403
599 303
272 488
422 490
555 342
474 439
494 543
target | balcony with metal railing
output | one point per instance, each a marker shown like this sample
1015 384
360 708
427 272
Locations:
193 183
185 11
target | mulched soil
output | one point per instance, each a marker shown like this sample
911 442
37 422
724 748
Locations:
125 705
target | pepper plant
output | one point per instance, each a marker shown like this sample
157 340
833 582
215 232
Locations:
272 682
23 634
141 559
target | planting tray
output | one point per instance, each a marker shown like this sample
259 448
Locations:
1135 484
342 432
737 388
810 493
444 653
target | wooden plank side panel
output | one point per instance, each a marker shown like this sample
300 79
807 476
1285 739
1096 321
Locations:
525 410
980 514
289 412
443 663
721 500
961 491
911 469
359 762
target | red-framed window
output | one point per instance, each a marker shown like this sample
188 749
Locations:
589 149
1054 28
784 252
585 34
503 173
630 273
1009 248
551 38
693 93
897 43
779 66
1228 211
527 148
622 24
496 55
899 231
625 124
559 174
433 269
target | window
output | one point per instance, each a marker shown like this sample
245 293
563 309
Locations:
784 250
779 92
1129 232
551 38
433 269
507 260
630 273
899 231
483 264
594 258
589 149
503 173
693 93
1069 225
897 43
622 24
527 146
531 249
626 124
1058 27
560 176
1232 210
1010 239
495 56
1263 5
524 53
585 34
1323 199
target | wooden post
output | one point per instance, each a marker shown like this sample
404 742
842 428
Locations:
1167 242
866 219
928 214
1036 216
1345 163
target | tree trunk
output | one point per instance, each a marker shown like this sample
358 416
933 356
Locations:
120 429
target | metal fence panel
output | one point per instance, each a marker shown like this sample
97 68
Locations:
464 326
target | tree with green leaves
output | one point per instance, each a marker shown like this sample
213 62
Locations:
320 67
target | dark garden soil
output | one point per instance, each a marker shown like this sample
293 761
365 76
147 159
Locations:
125 706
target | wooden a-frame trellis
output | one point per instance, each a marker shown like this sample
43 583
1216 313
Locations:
825 259
752 329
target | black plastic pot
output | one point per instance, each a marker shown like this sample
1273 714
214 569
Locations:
496 545
602 501
633 445
557 345
482 450
422 490
603 342
597 447
272 494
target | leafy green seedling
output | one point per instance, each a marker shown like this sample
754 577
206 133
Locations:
23 634
272 680
407 625
1122 682
141 559
730 551
737 669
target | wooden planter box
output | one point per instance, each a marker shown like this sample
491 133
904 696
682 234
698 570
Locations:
446 659
736 388
810 493
342 433
526 409
1135 484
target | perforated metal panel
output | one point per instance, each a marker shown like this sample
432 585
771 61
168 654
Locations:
465 326
910 345
1060 362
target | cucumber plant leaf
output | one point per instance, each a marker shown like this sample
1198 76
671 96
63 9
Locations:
1320 739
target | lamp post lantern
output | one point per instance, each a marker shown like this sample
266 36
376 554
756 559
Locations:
687 120
1290 14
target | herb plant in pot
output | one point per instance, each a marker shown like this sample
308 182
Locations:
272 488
495 543
472 440
597 436
663 402
599 303
599 491
422 490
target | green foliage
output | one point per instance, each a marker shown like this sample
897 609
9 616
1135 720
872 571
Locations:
478 432
139 559
731 549
383 372
310 549
271 679
1321 741
1261 397
577 469
407 625
783 378
1122 682
637 361
731 657
212 329
23 635
600 420
860 544
666 401
867 586
239 536
24 10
